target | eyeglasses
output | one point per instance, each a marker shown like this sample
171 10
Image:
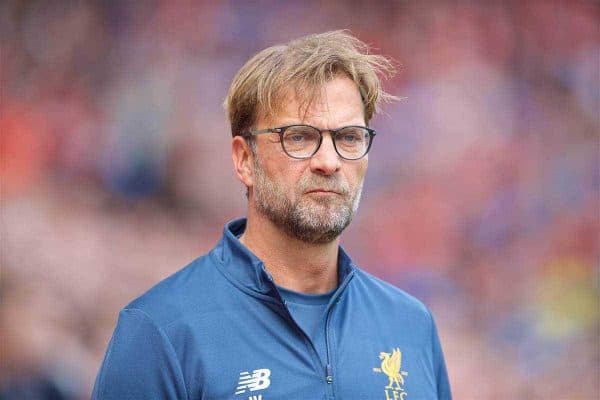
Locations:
303 141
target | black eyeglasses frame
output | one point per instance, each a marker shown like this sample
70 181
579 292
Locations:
281 130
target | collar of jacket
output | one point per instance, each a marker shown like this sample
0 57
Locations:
248 272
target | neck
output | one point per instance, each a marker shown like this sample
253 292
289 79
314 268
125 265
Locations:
293 264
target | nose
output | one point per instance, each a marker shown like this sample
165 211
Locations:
326 160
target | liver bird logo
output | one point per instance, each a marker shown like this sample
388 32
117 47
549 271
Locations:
391 364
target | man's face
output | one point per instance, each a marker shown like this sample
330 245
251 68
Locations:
314 199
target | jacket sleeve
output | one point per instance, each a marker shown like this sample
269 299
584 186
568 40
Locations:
443 384
140 362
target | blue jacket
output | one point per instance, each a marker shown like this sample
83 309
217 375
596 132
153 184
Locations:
219 329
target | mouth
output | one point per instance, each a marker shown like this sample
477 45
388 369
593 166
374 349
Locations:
322 192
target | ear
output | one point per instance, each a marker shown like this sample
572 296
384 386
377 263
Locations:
242 158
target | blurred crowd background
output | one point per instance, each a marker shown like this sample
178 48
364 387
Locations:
482 197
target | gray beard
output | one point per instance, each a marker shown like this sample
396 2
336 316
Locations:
315 220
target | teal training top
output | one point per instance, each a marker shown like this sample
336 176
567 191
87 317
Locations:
220 329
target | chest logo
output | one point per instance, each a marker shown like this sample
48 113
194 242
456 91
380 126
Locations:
257 380
391 365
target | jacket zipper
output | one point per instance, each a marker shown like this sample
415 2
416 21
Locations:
328 376
328 367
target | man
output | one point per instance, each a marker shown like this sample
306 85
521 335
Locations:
277 310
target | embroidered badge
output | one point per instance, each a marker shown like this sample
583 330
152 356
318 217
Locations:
391 365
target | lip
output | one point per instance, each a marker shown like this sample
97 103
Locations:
322 191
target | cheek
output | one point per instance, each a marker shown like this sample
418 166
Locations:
363 168
358 172
288 176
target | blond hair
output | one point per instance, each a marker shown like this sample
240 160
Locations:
304 64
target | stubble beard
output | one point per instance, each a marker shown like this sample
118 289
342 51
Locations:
312 220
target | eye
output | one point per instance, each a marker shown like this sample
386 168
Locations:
300 134
296 137
350 136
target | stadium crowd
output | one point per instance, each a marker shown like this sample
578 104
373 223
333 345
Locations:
482 196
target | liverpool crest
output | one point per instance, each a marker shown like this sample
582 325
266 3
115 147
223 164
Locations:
391 365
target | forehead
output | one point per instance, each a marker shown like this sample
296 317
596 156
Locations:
337 102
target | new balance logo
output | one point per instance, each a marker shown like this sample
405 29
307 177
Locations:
257 380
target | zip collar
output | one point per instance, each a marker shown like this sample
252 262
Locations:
246 271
